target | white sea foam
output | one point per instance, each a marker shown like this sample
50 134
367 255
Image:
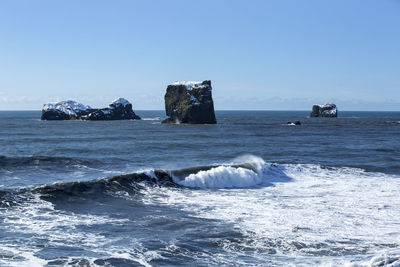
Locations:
151 119
256 162
40 218
229 175
27 255
310 216
346 215
223 177
386 260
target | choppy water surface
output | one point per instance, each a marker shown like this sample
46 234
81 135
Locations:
250 190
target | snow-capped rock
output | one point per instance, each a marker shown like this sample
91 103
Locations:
119 109
64 110
189 102
120 101
192 84
326 110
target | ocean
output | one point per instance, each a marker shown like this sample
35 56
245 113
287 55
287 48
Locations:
248 191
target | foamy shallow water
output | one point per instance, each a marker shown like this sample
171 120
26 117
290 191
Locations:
317 216
296 215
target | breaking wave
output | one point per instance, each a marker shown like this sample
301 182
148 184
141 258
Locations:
243 172
280 219
223 177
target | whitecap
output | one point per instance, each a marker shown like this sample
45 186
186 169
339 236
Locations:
387 260
334 211
223 177
151 119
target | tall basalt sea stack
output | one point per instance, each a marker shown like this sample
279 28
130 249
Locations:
189 102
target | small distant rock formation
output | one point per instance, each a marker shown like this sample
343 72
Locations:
189 102
119 109
327 110
294 123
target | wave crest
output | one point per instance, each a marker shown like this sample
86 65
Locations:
223 177
243 172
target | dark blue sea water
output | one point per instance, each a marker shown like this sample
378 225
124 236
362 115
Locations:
249 191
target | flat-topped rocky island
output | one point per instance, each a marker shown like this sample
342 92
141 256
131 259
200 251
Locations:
189 102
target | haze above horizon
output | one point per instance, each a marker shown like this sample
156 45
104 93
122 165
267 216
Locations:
259 55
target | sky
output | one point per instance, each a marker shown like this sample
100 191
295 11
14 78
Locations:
259 55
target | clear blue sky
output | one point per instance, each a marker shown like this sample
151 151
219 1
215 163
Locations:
259 54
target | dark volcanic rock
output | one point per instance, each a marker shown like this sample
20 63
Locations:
119 109
64 110
327 110
189 102
54 115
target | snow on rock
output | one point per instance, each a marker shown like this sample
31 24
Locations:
68 107
191 84
326 110
328 106
194 99
120 101
119 109
189 102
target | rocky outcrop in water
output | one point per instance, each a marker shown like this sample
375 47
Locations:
327 110
189 102
119 109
